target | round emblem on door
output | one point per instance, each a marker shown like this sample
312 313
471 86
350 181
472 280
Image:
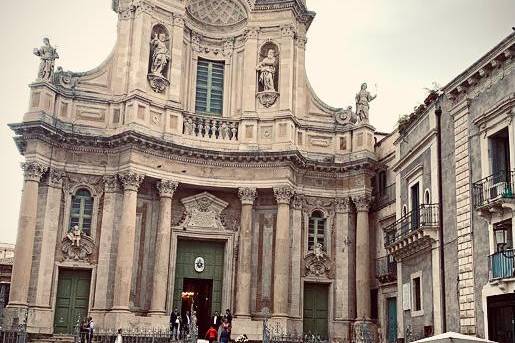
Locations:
199 264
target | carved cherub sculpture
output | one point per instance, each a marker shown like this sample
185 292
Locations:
318 251
75 235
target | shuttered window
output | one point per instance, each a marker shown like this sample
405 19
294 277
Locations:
316 230
210 87
82 210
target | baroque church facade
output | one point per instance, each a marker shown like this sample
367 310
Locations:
197 168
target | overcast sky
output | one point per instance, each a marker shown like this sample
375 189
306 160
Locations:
399 47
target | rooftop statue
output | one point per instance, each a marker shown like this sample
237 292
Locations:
48 55
363 99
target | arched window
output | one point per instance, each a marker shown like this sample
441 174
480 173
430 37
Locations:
427 197
82 210
316 230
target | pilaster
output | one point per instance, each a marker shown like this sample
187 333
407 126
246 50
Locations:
296 256
249 72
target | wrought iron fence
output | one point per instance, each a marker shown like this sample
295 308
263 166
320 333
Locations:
386 269
492 188
16 335
277 334
502 264
426 215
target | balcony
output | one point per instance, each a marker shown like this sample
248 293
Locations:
384 197
493 191
502 264
413 232
211 128
386 269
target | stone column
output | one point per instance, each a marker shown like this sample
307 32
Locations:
26 229
247 196
344 255
111 193
296 255
49 237
166 190
282 248
362 257
125 252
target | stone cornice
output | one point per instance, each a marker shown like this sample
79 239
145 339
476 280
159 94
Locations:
43 131
299 9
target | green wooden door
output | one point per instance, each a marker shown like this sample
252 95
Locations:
72 299
213 254
315 309
391 334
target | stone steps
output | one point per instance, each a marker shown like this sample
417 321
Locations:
54 339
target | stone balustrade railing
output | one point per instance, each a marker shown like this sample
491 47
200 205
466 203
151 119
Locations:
211 128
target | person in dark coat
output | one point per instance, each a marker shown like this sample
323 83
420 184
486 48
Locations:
186 322
174 323
216 320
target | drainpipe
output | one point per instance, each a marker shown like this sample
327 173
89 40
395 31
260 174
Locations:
438 112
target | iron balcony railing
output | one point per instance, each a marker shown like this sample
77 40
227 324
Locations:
426 215
502 264
384 197
492 188
386 269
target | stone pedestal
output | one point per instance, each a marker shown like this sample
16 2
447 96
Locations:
162 258
282 248
247 196
125 256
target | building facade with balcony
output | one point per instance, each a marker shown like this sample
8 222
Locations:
194 169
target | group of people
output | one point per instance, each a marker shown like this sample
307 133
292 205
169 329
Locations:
220 328
87 327
179 325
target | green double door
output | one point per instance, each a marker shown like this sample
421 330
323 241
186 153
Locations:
316 309
72 299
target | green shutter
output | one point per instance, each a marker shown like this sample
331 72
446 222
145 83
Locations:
210 87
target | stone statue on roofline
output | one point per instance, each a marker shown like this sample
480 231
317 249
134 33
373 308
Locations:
363 99
48 55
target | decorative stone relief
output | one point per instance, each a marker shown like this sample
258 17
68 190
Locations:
363 99
131 180
196 41
167 188
268 74
228 47
288 31
66 79
33 170
55 177
247 195
298 201
203 211
48 55
251 33
317 263
342 205
76 246
159 59
346 116
283 194
111 184
362 202
231 219
217 12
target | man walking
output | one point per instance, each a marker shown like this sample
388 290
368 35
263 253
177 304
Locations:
174 323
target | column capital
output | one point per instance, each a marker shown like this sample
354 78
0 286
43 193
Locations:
298 201
342 205
55 177
131 180
111 184
362 202
247 195
33 170
283 194
167 188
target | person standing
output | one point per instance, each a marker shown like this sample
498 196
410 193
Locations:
216 320
186 323
211 334
228 315
119 338
174 323
91 329
225 335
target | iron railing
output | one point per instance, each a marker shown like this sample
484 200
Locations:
13 336
384 197
502 264
426 215
386 269
492 188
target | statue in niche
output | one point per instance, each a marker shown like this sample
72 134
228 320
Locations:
363 99
268 72
159 59
266 69
48 55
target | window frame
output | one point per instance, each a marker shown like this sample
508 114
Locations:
414 311
81 216
68 195
209 86
323 218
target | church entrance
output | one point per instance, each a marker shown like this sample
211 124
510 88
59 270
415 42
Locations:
72 299
199 273
316 312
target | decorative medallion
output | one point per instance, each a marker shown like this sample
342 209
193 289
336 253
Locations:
199 264
317 263
77 246
217 12
267 98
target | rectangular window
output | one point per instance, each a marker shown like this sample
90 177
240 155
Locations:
210 87
417 294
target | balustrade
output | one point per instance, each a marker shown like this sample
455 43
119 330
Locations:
211 128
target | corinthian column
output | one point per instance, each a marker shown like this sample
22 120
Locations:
344 255
296 255
247 197
282 251
26 229
362 257
127 231
166 190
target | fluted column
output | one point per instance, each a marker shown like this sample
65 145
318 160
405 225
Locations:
362 257
111 194
296 255
125 252
247 197
26 229
49 237
166 190
282 248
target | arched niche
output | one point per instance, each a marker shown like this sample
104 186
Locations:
159 58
